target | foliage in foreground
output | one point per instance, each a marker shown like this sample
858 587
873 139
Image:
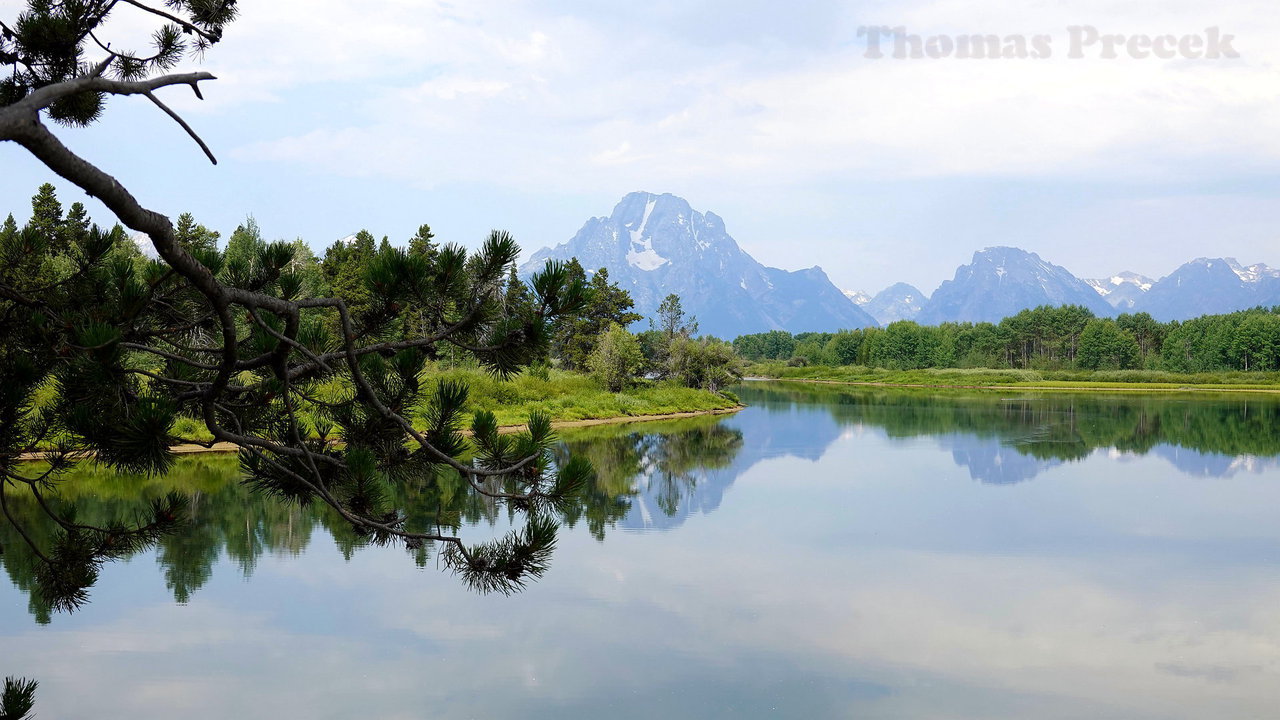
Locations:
238 338
228 520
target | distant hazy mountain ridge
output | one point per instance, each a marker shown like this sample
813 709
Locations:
1211 286
1002 281
899 301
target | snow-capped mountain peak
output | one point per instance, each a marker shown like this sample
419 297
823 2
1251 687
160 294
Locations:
1122 290
654 245
1252 273
857 296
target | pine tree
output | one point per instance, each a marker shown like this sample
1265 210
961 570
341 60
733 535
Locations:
231 338
609 305
46 219
194 236
421 243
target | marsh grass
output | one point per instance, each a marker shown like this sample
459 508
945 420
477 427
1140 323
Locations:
564 396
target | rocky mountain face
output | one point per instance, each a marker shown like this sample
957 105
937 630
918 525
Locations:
1002 281
654 245
1210 286
899 301
1122 290
858 297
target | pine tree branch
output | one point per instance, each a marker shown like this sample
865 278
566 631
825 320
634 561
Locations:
185 24
21 123
183 123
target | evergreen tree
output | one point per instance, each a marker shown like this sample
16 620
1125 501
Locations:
233 341
421 243
17 698
609 305
194 236
344 267
46 218
245 244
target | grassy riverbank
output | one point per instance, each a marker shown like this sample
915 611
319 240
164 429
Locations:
564 396
1140 380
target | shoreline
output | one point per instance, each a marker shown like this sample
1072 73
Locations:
1134 388
226 447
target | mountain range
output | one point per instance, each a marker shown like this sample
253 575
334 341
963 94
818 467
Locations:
1000 281
654 245
1210 286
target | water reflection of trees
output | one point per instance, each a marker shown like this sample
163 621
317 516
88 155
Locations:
227 517
1053 426
664 466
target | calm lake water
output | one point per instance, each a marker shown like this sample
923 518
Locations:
822 554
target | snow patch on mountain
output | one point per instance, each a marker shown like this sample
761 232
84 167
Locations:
638 233
145 246
1252 274
857 296
642 256
1122 290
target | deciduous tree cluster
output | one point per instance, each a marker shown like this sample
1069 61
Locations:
1067 337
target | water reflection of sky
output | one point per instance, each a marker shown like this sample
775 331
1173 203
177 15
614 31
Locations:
832 569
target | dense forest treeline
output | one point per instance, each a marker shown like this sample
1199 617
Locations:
1043 338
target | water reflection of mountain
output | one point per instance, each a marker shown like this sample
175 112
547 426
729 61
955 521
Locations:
991 461
665 473
1002 440
1200 464
661 474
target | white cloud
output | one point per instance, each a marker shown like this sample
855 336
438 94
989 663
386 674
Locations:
547 101
772 119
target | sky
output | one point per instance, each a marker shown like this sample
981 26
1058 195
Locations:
330 116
